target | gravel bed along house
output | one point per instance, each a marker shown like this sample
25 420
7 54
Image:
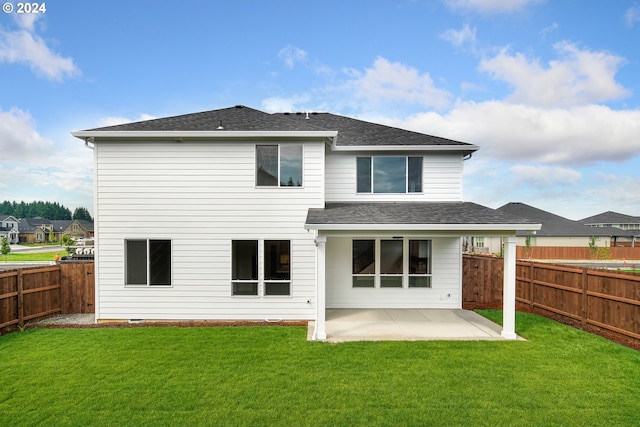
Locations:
69 319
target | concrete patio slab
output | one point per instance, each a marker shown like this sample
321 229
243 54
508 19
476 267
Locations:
406 325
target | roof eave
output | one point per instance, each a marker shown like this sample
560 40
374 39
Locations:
425 227
85 134
465 148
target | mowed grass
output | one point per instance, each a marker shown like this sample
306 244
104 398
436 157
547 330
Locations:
272 376
42 256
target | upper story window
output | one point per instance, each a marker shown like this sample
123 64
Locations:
389 174
279 165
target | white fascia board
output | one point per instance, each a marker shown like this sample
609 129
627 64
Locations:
203 134
465 148
424 227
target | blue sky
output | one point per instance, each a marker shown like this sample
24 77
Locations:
549 90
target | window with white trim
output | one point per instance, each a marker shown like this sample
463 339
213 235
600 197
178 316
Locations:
244 267
279 165
382 263
364 263
147 262
389 174
276 271
277 267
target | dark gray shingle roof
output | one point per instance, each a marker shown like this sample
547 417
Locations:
351 132
238 118
354 132
410 213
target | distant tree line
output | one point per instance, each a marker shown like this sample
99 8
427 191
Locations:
48 210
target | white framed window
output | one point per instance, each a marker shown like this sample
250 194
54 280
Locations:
147 262
391 263
389 174
279 165
244 267
274 279
363 261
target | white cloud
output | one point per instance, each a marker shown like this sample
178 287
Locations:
491 6
19 139
26 20
26 47
393 82
579 77
281 105
632 15
575 136
290 55
545 176
115 120
466 35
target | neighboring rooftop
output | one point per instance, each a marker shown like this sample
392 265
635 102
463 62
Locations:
555 225
610 218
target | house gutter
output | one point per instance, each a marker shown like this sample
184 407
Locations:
425 227
87 134
465 148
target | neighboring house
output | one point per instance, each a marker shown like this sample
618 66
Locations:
39 230
555 230
240 214
617 220
9 228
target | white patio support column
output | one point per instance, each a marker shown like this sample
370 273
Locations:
509 289
320 332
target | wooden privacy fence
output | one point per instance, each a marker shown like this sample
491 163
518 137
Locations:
601 298
576 252
28 294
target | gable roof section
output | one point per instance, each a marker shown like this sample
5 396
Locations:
238 121
346 133
357 133
555 225
238 118
443 216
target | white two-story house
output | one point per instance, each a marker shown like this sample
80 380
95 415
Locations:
9 228
240 214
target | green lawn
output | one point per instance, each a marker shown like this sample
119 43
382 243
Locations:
273 376
44 256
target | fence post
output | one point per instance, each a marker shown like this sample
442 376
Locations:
20 299
584 284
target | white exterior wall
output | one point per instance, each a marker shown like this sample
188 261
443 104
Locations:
441 175
446 282
201 195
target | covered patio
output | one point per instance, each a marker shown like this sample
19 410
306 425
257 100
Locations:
344 325
406 293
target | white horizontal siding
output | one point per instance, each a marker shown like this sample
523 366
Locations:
442 178
201 195
446 280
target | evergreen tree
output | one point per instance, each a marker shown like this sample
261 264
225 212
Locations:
82 213
5 249
49 210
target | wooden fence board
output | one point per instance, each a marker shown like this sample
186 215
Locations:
33 293
608 300
575 252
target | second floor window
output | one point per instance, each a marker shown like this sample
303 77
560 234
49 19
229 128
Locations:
279 165
389 174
